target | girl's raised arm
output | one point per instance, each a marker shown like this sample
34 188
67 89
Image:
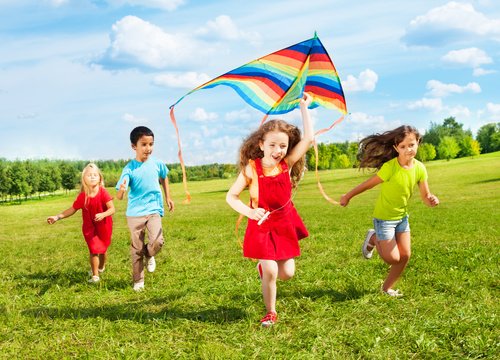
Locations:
305 143
66 213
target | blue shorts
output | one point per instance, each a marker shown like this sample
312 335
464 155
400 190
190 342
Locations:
387 229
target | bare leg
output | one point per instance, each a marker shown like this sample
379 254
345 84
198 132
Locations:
94 264
395 252
268 283
102 261
286 269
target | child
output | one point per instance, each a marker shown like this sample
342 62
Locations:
393 154
143 175
271 163
97 208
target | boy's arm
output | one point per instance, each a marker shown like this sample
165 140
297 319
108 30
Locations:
66 213
123 188
305 143
366 185
166 189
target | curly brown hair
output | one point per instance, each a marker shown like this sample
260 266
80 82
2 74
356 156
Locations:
376 149
250 149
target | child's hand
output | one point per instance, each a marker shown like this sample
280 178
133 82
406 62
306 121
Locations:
123 186
433 200
170 204
257 214
306 100
99 217
52 219
344 200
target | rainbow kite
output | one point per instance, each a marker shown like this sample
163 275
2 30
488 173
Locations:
275 83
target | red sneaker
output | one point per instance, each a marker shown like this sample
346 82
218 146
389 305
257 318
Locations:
269 320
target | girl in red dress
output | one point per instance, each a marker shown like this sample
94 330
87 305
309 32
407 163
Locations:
97 208
271 163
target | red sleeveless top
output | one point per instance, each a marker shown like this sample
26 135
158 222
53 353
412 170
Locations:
278 237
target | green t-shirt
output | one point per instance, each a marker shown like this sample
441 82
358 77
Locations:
397 188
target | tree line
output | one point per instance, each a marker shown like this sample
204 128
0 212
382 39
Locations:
22 179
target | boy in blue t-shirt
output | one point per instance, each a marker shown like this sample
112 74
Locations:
144 175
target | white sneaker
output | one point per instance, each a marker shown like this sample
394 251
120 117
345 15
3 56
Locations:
94 279
151 265
367 254
139 286
391 292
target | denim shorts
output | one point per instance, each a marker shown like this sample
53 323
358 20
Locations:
387 229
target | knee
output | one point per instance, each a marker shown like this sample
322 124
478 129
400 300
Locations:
286 274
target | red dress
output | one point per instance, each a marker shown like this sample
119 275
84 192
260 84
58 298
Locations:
97 234
278 237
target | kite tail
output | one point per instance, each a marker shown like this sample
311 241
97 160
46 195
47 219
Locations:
315 144
184 177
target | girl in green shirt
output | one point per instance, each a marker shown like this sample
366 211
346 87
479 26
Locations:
393 154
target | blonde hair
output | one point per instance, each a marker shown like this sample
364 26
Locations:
375 150
250 149
83 186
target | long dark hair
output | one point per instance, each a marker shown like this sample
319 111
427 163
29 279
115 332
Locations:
250 149
376 149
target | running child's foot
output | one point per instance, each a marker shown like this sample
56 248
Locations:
367 248
101 270
94 279
259 270
269 320
151 264
391 292
138 286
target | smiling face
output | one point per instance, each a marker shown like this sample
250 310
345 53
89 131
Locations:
143 148
274 146
407 149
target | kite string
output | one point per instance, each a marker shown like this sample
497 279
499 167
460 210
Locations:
184 177
315 144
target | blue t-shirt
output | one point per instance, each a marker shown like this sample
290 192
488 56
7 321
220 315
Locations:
145 196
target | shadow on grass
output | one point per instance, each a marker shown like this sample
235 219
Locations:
135 312
351 293
485 181
44 281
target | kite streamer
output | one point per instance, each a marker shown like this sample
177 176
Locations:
275 83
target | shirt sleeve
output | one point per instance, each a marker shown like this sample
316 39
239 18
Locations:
422 173
124 176
385 171
105 196
79 201
162 170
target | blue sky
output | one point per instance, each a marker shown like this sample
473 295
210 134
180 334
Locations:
77 75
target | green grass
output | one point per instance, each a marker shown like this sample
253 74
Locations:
204 300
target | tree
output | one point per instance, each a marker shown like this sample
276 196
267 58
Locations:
470 147
451 128
488 137
448 148
19 175
426 152
69 178
342 161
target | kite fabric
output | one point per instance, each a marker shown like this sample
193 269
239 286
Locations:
275 83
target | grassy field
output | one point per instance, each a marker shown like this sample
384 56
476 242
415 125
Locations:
204 299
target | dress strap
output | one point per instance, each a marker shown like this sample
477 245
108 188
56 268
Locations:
258 167
284 166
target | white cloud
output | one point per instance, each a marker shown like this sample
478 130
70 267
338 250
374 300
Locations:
223 27
493 111
135 42
201 115
472 57
439 89
57 3
459 111
366 81
451 22
187 80
480 72
239 115
132 119
434 104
